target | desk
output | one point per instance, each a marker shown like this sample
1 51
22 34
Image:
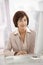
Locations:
20 60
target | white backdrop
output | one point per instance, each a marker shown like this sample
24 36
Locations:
35 12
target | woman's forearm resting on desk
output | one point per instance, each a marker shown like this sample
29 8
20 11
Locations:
11 53
8 53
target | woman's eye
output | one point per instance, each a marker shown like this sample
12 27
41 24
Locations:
25 20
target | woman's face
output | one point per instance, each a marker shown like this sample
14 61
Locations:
22 24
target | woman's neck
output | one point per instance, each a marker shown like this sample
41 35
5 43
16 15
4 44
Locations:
22 32
22 35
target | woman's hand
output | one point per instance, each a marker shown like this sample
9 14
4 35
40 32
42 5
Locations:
21 52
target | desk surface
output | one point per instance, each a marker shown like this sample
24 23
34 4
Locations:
20 60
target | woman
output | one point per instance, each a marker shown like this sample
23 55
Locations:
22 40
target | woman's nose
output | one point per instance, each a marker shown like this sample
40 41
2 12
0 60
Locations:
23 23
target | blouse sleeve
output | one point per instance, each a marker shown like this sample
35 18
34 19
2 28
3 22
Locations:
8 45
32 45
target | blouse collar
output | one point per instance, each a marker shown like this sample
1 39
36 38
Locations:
17 32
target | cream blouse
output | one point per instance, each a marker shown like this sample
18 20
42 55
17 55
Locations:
17 44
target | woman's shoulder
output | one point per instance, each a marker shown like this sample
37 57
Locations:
31 33
14 33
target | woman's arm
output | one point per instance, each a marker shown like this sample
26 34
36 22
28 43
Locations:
32 45
8 48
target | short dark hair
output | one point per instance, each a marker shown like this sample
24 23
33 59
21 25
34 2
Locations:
18 15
